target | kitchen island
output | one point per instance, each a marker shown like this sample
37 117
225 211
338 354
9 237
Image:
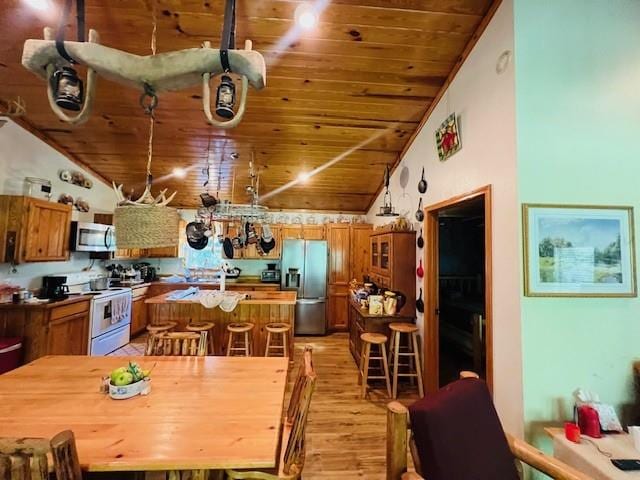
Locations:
259 308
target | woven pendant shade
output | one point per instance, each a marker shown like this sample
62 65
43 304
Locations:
146 226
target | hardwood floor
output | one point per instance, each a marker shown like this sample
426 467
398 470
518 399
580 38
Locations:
345 434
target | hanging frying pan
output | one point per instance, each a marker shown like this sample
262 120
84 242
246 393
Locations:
420 303
227 247
195 235
420 270
420 240
422 184
419 212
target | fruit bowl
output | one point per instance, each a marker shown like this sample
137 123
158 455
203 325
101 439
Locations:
127 382
122 392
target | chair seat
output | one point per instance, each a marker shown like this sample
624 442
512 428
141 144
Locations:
161 327
374 338
403 327
240 327
278 327
199 326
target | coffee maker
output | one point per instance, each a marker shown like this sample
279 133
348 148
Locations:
54 287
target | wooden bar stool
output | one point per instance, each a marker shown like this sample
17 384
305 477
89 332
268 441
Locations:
163 327
380 340
414 366
281 329
237 329
204 327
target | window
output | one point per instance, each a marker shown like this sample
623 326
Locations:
209 257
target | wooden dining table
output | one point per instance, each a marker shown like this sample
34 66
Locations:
202 412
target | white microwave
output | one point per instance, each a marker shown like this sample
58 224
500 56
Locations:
92 237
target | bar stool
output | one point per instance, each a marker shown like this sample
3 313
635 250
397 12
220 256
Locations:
369 339
281 329
204 327
161 327
238 328
413 354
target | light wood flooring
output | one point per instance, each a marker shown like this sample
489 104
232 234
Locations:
345 434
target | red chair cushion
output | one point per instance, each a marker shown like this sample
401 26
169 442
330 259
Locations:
458 435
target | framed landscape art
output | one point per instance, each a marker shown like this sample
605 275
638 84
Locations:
579 251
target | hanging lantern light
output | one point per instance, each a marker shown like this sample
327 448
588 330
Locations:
147 222
387 210
68 89
226 97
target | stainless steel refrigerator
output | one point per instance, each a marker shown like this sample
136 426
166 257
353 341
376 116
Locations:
304 269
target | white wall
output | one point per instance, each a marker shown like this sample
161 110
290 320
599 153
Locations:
485 102
24 155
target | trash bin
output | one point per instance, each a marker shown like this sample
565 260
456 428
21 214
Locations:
10 353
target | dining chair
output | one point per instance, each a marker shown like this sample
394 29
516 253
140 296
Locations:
294 402
177 344
456 433
291 461
26 458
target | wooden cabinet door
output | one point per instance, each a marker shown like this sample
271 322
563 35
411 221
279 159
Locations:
46 232
360 246
339 253
313 232
338 307
374 254
138 315
162 252
69 335
291 232
385 246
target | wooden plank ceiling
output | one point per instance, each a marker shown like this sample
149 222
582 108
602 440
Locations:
365 76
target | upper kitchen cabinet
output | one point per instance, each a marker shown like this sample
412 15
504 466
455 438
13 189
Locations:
393 261
33 230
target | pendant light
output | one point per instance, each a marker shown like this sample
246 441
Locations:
387 210
147 222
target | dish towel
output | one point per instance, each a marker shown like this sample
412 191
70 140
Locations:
227 301
180 294
120 308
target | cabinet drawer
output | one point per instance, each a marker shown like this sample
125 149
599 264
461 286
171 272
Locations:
139 292
67 310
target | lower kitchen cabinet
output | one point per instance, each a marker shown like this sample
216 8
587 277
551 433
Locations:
60 328
139 317
68 335
338 307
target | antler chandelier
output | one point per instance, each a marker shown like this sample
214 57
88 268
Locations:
146 222
53 58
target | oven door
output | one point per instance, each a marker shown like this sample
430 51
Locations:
92 237
110 313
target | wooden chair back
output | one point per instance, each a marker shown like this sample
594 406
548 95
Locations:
177 344
26 458
293 457
306 367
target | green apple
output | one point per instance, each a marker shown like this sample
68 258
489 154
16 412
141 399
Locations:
116 373
124 378
146 373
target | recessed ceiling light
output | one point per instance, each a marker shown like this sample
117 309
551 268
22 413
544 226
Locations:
304 177
179 172
40 5
306 16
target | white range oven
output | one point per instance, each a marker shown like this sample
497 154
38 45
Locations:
110 320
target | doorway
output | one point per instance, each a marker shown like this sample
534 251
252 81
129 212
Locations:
458 288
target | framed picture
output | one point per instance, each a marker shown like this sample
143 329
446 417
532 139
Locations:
448 138
578 251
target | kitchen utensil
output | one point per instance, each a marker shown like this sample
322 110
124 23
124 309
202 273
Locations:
404 177
420 240
227 247
419 212
99 283
208 200
588 421
402 300
420 303
422 184
195 235
420 270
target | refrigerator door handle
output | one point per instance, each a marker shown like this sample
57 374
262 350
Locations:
310 301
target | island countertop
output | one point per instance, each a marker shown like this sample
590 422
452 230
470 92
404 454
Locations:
252 298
